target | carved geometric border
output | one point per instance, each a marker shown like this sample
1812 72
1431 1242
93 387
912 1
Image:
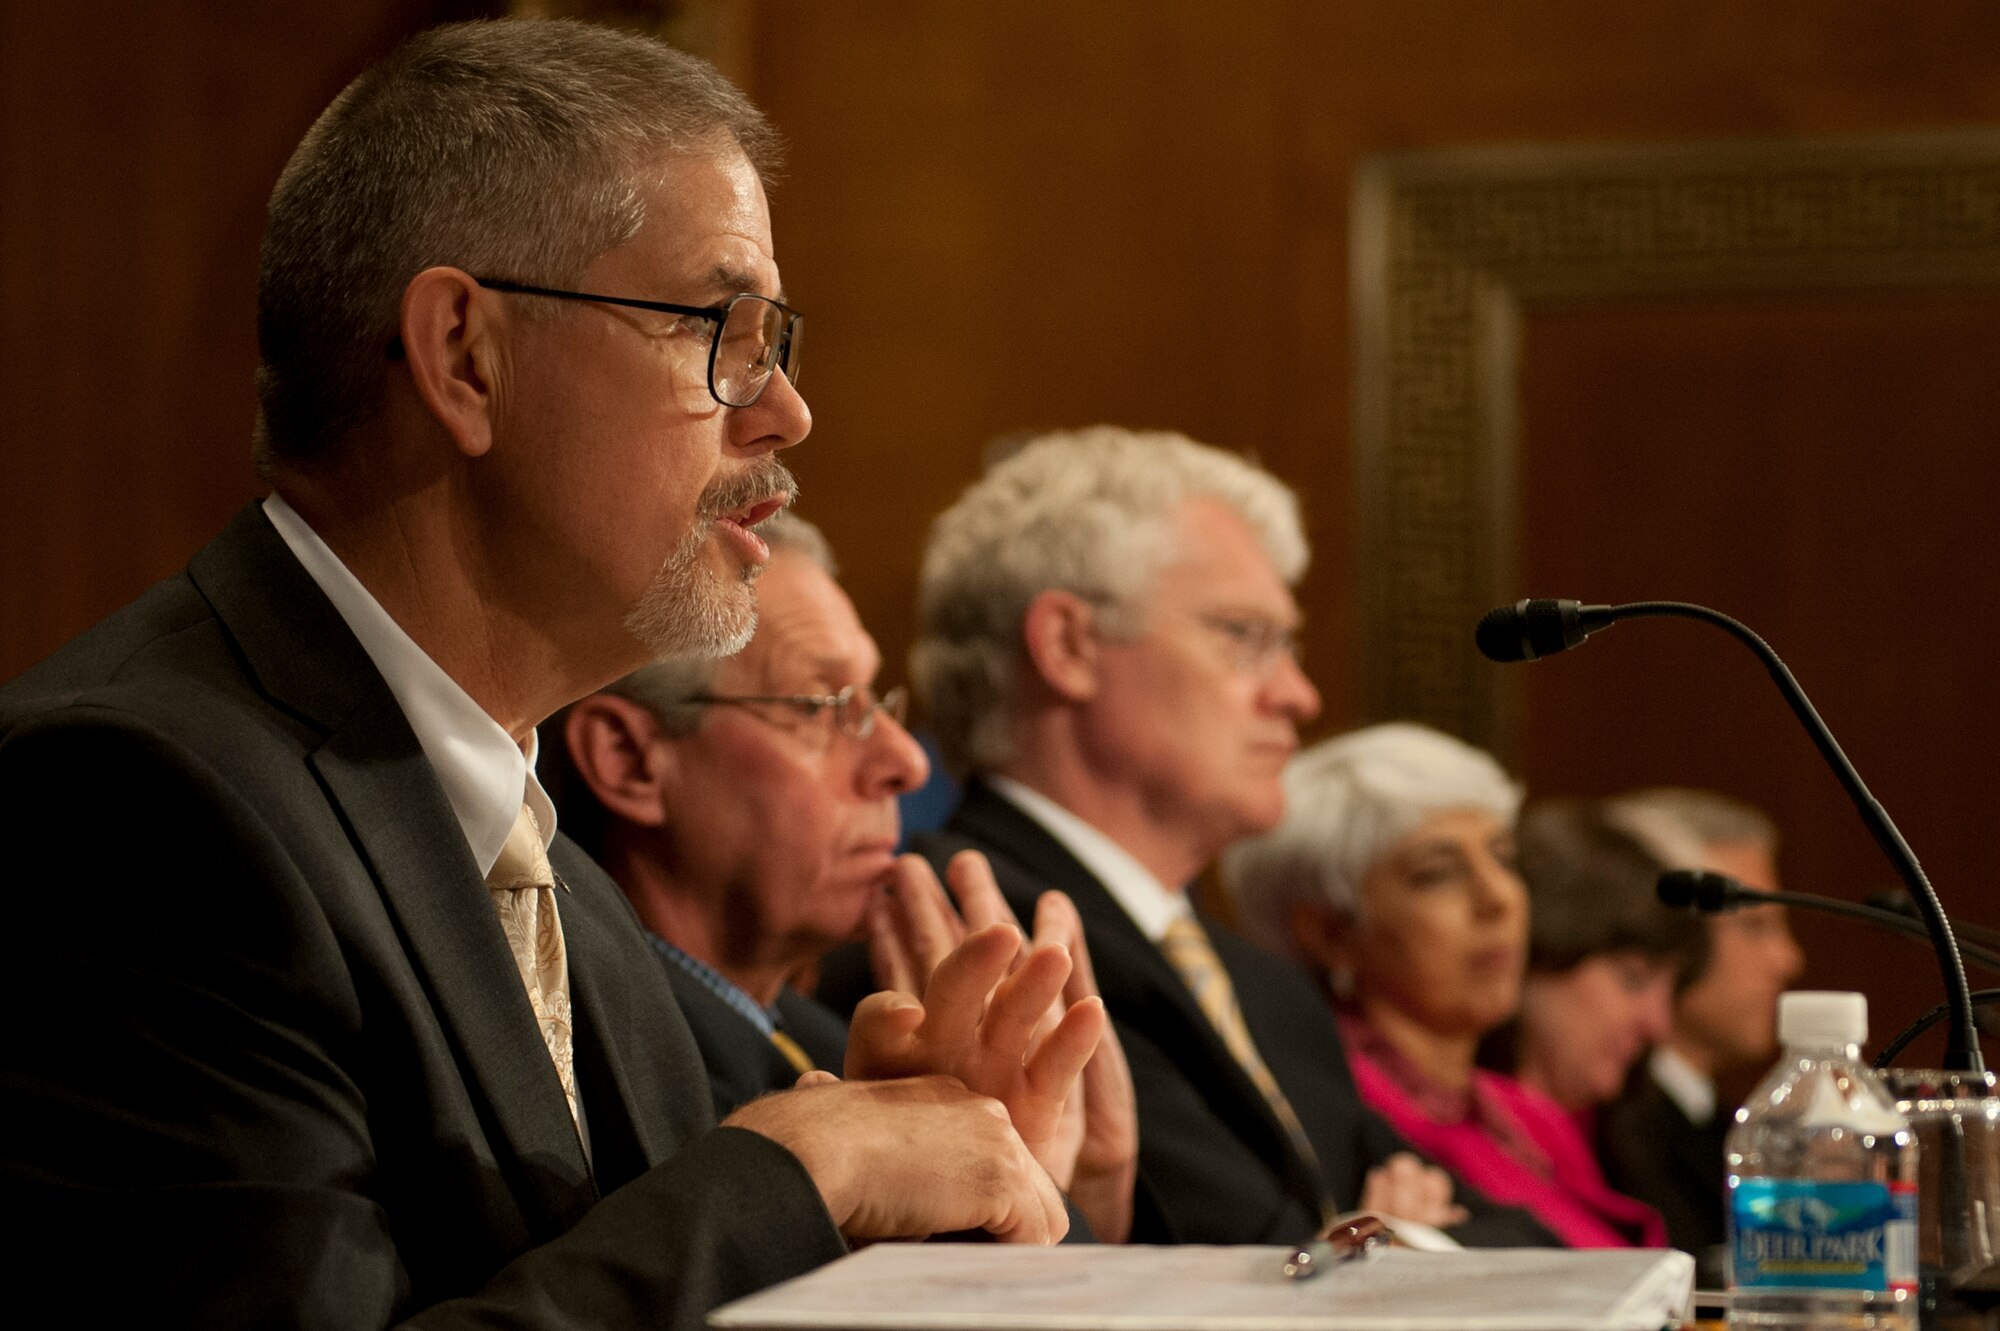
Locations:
1451 248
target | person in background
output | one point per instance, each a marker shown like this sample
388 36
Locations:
1662 1138
1603 957
1107 642
1392 877
747 809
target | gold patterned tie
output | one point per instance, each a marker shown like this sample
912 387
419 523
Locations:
523 889
1188 950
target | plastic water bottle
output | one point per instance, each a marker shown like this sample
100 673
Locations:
1822 1184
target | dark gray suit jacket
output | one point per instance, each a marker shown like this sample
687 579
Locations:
742 1064
1215 1166
280 1069
1652 1150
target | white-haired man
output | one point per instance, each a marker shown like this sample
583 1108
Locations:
1106 641
382 1045
1662 1139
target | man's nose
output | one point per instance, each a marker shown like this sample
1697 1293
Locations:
778 419
892 762
1289 691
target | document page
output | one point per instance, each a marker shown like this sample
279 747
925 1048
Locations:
982 1287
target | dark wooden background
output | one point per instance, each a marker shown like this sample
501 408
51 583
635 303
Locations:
1042 213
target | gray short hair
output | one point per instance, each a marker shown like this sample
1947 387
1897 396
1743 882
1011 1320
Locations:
668 688
511 149
1087 511
1667 816
1347 800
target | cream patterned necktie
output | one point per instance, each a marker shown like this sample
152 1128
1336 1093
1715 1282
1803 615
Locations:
523 889
1188 950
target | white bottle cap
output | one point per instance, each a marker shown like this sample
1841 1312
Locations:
1818 1017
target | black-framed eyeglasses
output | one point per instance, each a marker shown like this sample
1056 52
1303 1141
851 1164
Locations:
1255 643
853 709
754 336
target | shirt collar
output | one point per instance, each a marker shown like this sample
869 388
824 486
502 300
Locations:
1151 904
765 1019
485 775
1684 1084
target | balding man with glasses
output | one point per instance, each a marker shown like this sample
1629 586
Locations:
748 809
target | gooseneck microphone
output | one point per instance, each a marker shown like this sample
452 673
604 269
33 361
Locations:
1530 629
1712 893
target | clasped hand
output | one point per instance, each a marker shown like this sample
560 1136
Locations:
955 1102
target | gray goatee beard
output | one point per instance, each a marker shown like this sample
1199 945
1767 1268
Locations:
689 609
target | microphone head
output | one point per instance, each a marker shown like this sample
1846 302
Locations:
1698 889
1528 630
1676 889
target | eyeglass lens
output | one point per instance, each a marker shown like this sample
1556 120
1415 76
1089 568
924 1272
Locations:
856 710
752 343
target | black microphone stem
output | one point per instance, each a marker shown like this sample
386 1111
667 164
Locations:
1888 919
1962 1050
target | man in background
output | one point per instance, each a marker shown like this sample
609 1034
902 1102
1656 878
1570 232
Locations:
747 808
1107 642
1662 1140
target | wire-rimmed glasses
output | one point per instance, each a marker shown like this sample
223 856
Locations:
754 336
853 710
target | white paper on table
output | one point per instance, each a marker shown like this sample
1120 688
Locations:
997 1287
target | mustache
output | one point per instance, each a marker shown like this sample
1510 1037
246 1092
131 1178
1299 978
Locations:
760 480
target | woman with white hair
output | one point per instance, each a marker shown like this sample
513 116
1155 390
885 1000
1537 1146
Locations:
1392 876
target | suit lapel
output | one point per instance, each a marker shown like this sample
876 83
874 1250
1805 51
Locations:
1139 985
302 654
634 1054
404 830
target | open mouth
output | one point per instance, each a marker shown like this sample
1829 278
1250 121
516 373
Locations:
741 523
753 514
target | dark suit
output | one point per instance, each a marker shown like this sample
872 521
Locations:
742 1062
281 1069
1652 1150
1215 1166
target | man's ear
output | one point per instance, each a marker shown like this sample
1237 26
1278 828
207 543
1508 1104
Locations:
449 338
612 744
1059 632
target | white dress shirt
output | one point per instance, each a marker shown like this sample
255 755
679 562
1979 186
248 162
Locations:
485 775
1151 904
1684 1084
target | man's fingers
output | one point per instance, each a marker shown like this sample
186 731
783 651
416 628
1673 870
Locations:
929 926
1057 921
1022 1002
1059 1060
977 891
955 1000
889 956
882 1038
1044 1220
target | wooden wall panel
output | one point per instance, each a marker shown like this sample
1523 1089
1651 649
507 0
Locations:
1822 469
136 153
1138 212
